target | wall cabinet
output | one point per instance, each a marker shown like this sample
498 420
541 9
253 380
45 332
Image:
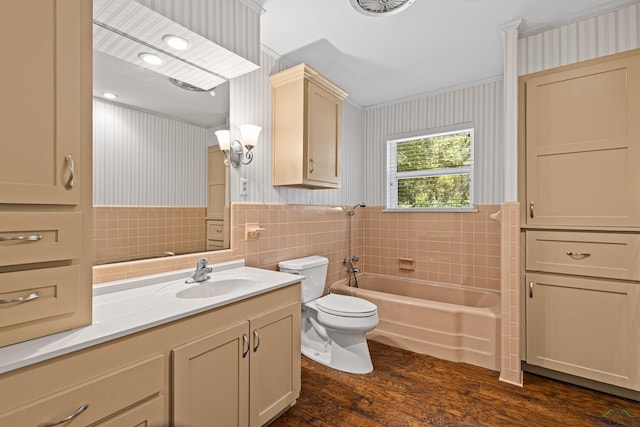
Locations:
237 365
580 192
306 129
45 179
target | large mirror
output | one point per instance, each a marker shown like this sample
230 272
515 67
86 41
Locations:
160 184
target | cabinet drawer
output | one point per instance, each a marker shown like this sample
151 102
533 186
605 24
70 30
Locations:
104 396
45 292
148 414
30 237
612 255
215 230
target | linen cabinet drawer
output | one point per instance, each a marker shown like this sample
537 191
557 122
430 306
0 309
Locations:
98 400
31 237
30 295
596 254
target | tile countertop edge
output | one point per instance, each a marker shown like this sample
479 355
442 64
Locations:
37 350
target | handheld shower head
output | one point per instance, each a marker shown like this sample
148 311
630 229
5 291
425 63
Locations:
353 210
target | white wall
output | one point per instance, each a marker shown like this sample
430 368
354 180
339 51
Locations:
481 105
598 36
142 159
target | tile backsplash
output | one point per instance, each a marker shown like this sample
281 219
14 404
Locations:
457 248
123 233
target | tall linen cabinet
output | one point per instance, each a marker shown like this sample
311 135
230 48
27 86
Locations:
580 198
45 178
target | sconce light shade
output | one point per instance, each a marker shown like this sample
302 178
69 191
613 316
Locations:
250 134
224 139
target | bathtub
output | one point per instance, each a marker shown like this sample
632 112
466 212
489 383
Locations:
449 322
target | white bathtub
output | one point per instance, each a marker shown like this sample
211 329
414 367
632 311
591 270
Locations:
454 323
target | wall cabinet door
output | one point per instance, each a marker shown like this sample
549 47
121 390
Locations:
40 119
324 135
211 379
583 144
275 363
584 327
306 129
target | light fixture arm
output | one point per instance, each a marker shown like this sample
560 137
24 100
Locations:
235 152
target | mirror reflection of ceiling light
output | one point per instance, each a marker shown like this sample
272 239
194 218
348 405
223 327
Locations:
150 58
176 42
110 95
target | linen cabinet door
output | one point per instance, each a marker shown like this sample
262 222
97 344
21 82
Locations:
584 327
40 120
275 363
583 145
211 379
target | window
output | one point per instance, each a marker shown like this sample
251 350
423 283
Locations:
431 171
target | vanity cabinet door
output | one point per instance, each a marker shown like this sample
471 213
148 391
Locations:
41 106
275 362
211 379
584 327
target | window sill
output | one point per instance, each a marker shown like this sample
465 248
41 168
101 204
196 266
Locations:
430 210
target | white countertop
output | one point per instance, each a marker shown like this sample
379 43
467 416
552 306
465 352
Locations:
124 307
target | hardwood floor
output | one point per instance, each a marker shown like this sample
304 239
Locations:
408 389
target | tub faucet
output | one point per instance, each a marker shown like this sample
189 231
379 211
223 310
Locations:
201 273
351 270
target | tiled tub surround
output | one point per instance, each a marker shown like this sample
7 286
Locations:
123 233
460 248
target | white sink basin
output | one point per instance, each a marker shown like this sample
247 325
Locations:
216 288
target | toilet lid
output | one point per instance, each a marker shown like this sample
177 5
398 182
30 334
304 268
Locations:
348 306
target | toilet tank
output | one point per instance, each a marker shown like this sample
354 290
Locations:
314 269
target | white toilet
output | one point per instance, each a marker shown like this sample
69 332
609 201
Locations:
333 326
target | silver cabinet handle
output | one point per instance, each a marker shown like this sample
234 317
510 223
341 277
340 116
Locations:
245 345
30 297
531 215
72 171
311 166
579 255
79 411
256 340
30 237
530 289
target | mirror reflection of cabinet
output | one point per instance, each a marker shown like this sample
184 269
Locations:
217 206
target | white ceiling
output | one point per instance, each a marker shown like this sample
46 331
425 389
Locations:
431 46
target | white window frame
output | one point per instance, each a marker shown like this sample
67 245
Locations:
393 175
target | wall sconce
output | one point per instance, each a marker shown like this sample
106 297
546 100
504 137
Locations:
234 151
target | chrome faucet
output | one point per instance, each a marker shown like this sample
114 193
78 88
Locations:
351 270
202 272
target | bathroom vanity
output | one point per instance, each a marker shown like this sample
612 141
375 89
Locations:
161 352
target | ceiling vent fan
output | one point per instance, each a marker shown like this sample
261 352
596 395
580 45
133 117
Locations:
380 7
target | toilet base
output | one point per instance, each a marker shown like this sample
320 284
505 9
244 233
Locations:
344 352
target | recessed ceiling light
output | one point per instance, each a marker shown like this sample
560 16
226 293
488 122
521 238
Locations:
176 42
150 58
110 95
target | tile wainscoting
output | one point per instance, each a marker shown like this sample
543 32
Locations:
457 248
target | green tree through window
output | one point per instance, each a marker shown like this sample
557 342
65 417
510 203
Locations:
431 171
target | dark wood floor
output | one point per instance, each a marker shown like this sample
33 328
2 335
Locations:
408 389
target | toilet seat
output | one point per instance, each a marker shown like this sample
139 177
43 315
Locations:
346 306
